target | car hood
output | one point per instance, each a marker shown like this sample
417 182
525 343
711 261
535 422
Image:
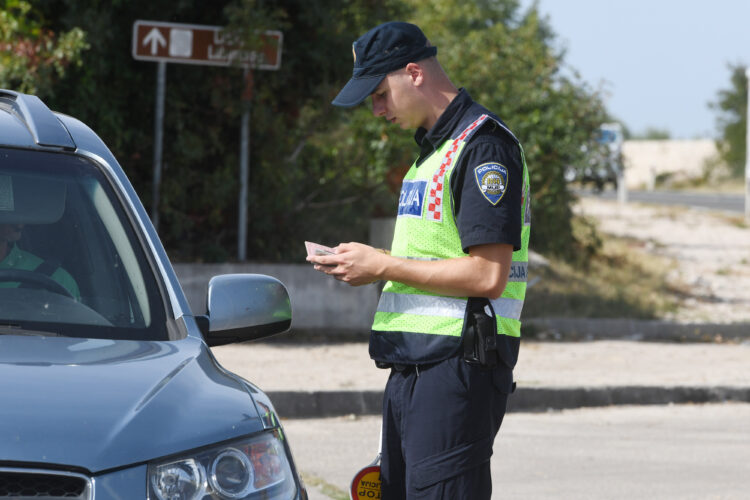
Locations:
101 404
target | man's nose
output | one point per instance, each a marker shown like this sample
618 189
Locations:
378 109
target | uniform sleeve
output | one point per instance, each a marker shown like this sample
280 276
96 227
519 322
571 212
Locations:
487 192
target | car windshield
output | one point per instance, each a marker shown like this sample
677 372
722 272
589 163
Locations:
70 261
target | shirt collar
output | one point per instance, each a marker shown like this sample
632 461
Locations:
430 140
11 259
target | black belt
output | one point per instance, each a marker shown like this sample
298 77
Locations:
403 367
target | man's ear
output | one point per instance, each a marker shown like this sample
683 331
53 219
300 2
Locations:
416 73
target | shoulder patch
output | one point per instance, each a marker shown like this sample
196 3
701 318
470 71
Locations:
492 180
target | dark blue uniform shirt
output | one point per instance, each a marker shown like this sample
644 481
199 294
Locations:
479 222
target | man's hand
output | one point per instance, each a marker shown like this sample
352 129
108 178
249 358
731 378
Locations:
353 263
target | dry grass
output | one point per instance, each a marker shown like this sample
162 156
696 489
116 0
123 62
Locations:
734 220
327 489
622 278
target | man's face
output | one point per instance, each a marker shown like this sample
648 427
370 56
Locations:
396 99
10 233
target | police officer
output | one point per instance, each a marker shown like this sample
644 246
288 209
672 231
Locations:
448 321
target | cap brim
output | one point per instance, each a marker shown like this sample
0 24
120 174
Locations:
356 90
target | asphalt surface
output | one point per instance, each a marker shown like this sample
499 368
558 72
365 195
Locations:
728 202
670 452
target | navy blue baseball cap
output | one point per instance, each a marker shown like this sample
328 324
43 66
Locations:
380 51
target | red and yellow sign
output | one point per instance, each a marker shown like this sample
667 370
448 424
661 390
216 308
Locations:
366 484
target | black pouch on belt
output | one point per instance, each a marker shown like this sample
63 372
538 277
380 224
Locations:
480 334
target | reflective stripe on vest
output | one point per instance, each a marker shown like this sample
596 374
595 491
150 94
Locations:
448 307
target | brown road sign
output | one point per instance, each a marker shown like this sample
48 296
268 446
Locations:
200 44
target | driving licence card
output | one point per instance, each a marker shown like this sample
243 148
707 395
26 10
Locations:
316 249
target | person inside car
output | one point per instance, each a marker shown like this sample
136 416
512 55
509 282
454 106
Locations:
13 257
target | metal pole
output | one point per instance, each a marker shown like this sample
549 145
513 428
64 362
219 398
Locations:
622 189
244 165
747 151
161 81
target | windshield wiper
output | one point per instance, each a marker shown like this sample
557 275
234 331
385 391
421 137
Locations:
6 329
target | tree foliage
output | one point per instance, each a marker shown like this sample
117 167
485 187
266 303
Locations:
300 188
32 56
653 134
732 121
317 172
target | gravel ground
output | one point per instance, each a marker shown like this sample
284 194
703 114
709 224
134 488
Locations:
314 367
710 251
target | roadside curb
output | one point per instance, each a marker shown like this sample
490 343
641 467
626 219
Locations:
319 404
578 329
546 399
568 330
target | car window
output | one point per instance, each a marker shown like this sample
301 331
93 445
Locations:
70 262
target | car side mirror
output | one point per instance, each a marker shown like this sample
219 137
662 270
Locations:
242 307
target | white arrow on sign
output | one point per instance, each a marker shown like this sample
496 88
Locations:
155 38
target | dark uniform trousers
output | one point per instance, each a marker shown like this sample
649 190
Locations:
439 424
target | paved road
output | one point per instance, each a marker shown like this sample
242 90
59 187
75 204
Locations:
671 452
714 201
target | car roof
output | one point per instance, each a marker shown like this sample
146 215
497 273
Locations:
25 121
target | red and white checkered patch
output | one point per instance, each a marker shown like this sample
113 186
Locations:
435 192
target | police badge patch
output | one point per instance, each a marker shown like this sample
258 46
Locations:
492 180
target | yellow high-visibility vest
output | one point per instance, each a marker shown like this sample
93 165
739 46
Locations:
414 326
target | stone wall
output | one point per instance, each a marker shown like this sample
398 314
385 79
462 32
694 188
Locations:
673 160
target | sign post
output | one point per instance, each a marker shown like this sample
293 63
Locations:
747 150
204 45
161 83
247 96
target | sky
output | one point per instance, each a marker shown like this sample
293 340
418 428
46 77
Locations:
659 62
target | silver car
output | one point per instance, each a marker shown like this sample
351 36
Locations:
108 387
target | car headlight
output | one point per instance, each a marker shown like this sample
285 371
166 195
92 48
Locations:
251 468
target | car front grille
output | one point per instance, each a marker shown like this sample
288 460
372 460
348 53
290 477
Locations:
43 485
